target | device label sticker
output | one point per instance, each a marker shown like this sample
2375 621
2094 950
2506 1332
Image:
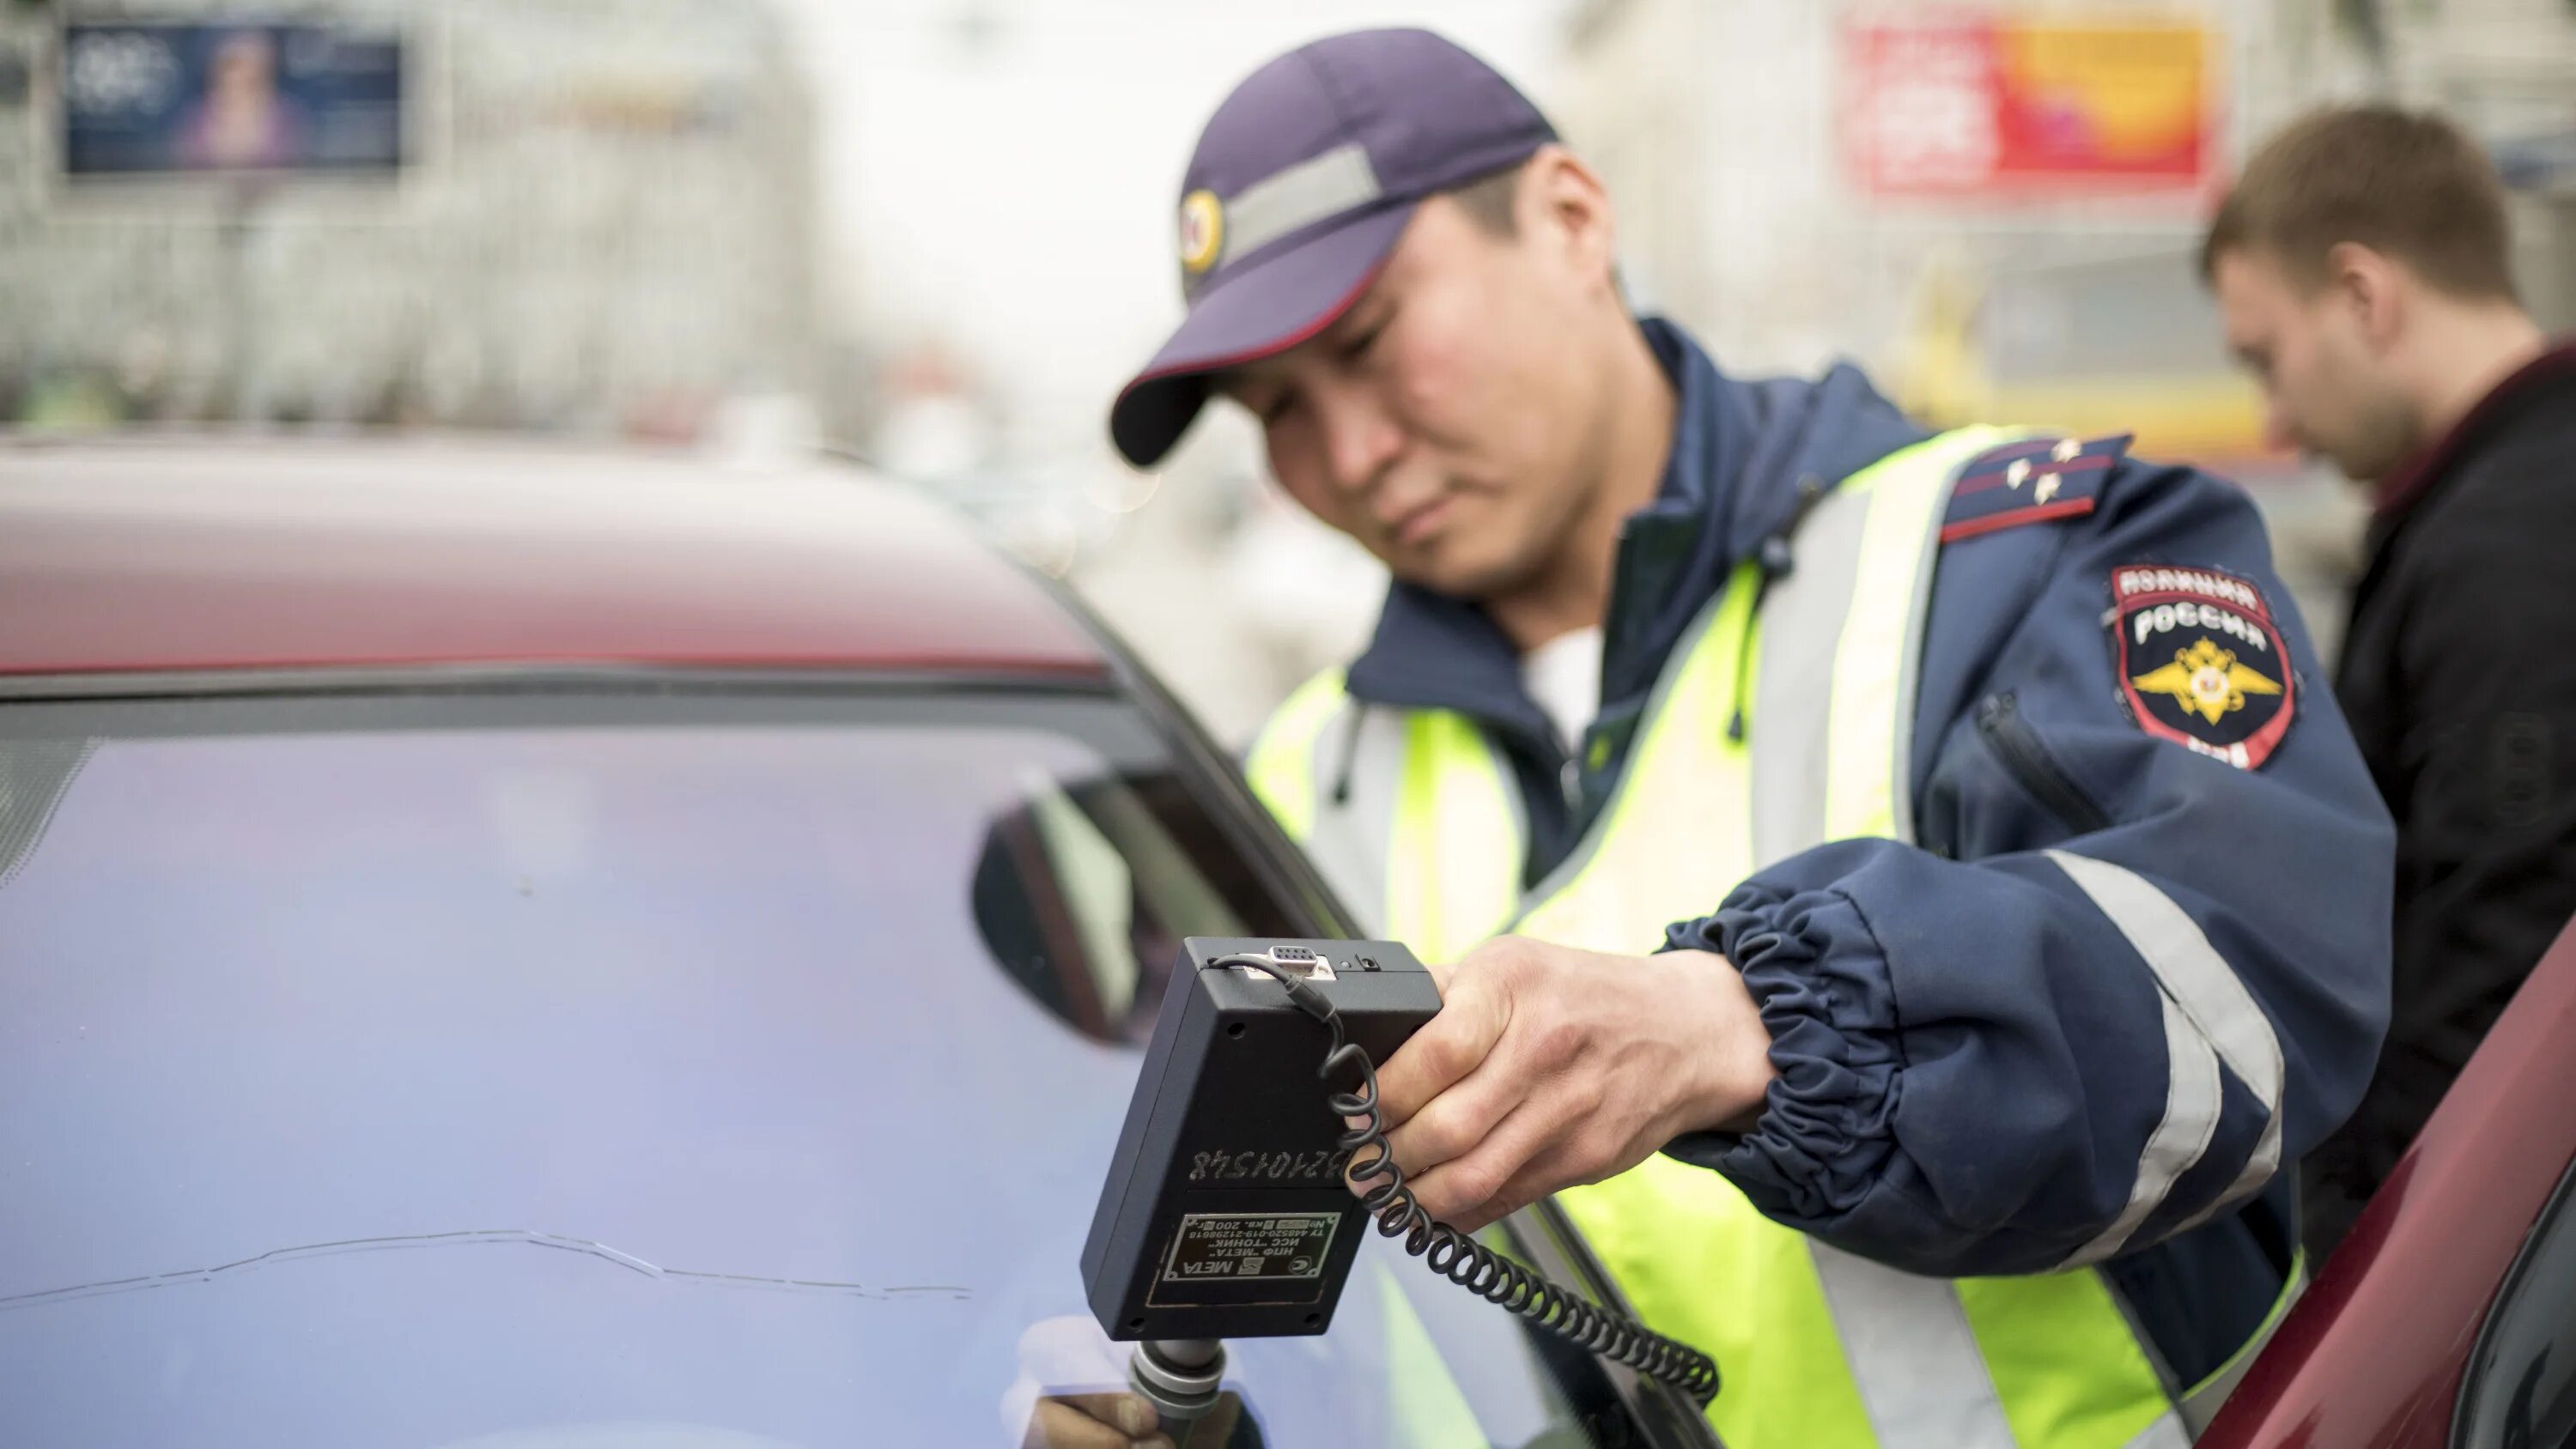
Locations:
1246 1246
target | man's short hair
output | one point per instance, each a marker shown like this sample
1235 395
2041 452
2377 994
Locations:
1492 201
2408 186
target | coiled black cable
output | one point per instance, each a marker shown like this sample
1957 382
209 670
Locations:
1454 1255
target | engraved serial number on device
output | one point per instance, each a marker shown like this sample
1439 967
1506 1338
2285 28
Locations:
1325 1165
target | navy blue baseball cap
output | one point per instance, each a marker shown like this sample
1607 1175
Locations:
1301 184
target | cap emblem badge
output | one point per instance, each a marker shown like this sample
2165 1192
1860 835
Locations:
1202 231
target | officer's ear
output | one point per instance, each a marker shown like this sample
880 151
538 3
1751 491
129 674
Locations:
1564 206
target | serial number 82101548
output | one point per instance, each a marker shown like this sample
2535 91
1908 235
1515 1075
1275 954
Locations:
1319 1166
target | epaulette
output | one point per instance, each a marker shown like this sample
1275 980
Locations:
2030 481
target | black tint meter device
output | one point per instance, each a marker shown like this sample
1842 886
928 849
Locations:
1225 1214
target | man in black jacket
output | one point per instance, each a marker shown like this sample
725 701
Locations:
2361 267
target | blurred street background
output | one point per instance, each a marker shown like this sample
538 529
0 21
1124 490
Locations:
936 235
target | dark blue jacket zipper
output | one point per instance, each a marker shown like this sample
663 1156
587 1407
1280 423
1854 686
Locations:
2017 748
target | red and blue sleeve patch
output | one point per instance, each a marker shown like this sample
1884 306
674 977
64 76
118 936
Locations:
2031 481
2201 662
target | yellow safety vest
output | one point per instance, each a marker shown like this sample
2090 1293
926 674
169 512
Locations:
1414 818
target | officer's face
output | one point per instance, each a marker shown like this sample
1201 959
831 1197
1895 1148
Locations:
1452 420
2326 385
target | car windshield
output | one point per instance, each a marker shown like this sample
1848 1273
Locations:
599 1066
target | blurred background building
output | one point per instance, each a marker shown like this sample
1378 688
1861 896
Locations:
938 233
592 215
1997 206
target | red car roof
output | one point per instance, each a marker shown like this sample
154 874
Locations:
221 554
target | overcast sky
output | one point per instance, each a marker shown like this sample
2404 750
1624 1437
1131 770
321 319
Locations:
1005 172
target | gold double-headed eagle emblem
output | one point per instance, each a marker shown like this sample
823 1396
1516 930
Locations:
2206 680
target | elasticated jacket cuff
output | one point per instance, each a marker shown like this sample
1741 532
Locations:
1827 1125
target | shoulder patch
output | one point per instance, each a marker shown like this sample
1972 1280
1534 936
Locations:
2201 662
2031 481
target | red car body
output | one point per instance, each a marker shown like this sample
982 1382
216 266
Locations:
2375 1354
211 556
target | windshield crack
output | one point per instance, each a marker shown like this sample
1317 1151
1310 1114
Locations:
484 1237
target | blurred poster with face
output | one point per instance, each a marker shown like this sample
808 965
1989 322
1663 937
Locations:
143 99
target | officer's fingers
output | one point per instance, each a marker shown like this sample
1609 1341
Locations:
1441 972
1501 956
1463 1191
1092 1421
1571 1162
1451 1124
1447 1048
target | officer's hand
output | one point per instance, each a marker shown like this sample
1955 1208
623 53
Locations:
1113 1421
1065 1396
1548 1067
1093 1421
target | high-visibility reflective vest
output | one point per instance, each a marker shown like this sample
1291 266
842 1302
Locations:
1414 818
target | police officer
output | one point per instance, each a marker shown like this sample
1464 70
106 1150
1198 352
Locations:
1940 901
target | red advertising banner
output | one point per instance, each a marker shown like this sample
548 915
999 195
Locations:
1977 105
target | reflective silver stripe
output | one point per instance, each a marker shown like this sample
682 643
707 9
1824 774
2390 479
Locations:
1915 1361
2190 1120
2199 981
1295 197
1801 623
1910 663
2167 1432
1913 1358
1349 839
1868 791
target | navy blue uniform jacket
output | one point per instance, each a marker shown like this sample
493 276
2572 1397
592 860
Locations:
1971 1051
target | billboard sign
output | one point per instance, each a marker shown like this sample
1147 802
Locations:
249 97
1989 106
